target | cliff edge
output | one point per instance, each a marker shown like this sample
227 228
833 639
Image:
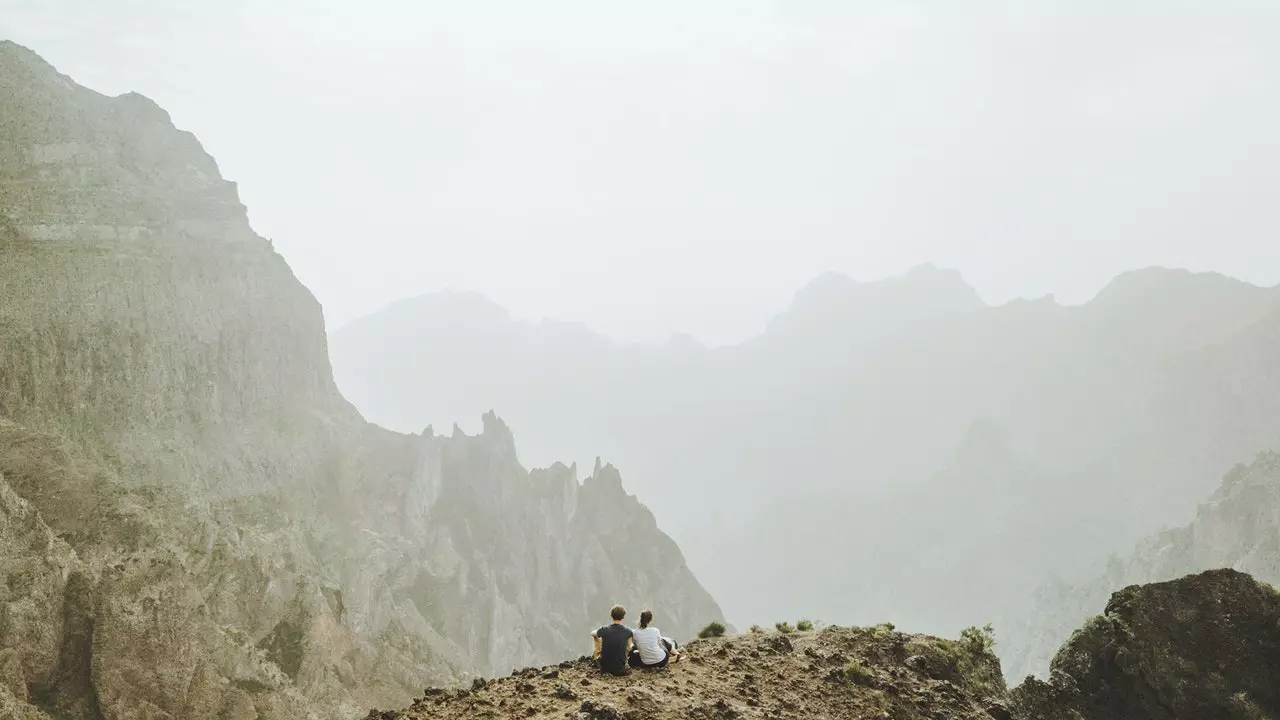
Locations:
193 522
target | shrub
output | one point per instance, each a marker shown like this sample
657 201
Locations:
881 630
974 659
855 671
714 629
978 641
804 625
756 629
784 627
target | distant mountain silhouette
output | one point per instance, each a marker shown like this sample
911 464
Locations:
874 425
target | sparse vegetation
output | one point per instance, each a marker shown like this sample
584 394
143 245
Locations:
804 625
978 641
855 671
756 629
784 627
882 629
973 656
713 629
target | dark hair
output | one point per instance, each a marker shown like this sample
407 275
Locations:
618 612
646 617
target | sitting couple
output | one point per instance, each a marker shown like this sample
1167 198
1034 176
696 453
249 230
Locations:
617 646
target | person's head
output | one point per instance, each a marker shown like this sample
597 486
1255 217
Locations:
646 617
617 613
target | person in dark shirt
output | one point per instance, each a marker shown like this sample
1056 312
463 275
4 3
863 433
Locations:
613 643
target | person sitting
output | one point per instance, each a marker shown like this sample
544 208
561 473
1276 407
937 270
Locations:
652 650
613 643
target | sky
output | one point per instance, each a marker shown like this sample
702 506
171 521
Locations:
667 166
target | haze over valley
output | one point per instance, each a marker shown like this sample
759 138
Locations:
726 361
903 426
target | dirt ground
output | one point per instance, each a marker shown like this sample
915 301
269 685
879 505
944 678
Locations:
829 673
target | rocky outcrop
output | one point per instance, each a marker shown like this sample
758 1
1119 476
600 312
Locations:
193 522
831 673
1238 527
1205 647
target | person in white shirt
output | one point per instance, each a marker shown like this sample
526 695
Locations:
651 649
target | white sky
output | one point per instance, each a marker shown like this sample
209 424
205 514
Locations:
661 166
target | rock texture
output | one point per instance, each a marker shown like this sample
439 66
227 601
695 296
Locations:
1204 647
830 673
1238 527
193 522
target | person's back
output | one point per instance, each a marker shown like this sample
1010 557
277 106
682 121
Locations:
614 643
652 650
648 642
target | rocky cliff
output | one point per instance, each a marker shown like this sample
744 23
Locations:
1205 647
1238 527
193 522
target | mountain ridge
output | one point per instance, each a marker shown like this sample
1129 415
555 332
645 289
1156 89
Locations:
1141 396
195 522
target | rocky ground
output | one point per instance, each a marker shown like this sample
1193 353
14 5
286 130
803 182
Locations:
829 673
1204 647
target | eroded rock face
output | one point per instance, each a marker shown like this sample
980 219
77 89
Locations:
1205 646
193 522
1238 527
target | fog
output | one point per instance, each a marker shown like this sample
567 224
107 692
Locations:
684 167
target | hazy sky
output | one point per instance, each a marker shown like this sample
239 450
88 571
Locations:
659 166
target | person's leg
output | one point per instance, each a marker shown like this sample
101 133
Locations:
634 660
673 650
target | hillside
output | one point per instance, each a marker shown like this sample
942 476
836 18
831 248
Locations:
1204 646
835 672
193 522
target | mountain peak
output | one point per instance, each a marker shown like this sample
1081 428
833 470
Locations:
21 53
1155 283
834 299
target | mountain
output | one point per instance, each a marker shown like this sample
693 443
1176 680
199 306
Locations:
1238 527
846 429
1204 646
193 522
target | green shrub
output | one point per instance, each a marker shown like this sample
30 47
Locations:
714 629
881 630
804 626
978 641
756 629
855 671
974 659
784 627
